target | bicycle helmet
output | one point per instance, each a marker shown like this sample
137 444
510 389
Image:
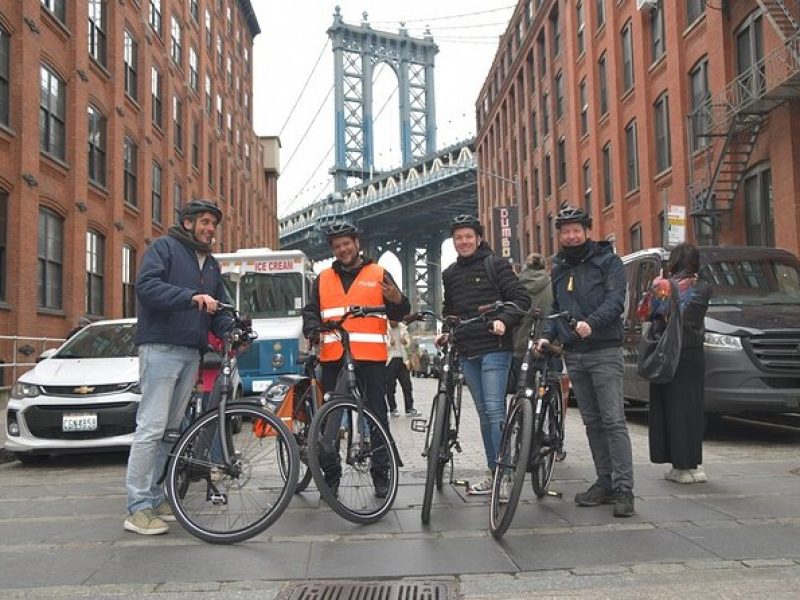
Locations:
342 229
197 207
466 221
573 214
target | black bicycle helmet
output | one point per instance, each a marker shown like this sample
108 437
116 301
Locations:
573 214
342 229
197 207
466 221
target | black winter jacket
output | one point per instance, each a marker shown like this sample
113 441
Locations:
596 295
467 286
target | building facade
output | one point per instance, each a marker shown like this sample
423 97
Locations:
634 109
113 114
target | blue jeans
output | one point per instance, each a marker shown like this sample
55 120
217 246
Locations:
486 378
166 376
597 380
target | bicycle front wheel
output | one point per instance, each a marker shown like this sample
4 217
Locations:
512 464
545 443
353 461
437 456
222 503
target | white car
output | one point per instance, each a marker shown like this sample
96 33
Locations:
83 397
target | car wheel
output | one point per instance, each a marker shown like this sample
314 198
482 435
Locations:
27 458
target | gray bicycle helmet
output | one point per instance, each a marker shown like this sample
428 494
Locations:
466 221
197 207
342 229
573 214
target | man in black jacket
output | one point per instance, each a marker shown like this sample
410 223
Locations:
589 282
485 349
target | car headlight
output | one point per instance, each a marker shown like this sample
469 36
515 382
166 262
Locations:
717 341
135 388
24 390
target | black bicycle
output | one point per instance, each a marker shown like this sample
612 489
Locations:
441 429
225 486
533 433
352 455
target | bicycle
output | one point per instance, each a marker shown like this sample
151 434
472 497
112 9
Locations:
225 487
296 399
347 436
441 429
533 433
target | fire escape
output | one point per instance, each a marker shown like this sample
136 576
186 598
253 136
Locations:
724 129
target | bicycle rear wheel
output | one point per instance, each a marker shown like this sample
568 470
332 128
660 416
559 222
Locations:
546 438
353 461
512 463
437 454
231 503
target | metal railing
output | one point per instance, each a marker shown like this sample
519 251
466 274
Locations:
18 344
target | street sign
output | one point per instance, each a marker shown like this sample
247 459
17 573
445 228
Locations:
676 225
504 227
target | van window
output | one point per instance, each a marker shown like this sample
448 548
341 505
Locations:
766 280
648 271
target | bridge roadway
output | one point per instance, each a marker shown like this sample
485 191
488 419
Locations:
61 531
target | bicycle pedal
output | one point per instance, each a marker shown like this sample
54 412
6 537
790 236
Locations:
554 493
460 482
419 425
217 499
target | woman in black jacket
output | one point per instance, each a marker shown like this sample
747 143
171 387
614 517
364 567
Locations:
479 277
676 408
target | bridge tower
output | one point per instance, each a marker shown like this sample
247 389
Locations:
357 50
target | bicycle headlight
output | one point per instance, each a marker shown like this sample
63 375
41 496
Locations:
717 341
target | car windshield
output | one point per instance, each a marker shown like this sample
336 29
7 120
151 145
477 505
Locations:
762 280
268 296
113 340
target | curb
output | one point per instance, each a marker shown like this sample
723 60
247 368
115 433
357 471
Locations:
6 456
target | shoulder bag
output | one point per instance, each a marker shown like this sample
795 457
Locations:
660 352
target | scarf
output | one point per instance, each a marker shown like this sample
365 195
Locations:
574 254
187 239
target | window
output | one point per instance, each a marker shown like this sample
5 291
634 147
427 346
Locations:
5 75
584 95
155 85
196 144
632 153
657 42
97 145
95 259
51 259
220 112
229 121
194 77
603 80
545 114
559 95
128 281
52 114
219 52
210 164
229 70
131 57
600 11
759 218
587 187
536 197
194 9
627 56
555 27
749 54
636 237
579 19
663 152
694 10
548 177
551 240
700 117
175 49
97 30
177 200
209 95
562 161
3 242
129 161
154 17
57 8
229 18
542 56
156 193
534 130
607 190
247 156
208 29
177 119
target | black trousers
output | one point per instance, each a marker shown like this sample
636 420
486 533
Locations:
676 414
396 371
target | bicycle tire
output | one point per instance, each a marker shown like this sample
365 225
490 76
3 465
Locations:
301 425
223 507
545 444
354 498
436 452
512 464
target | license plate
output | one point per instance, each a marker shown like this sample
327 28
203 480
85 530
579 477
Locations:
79 422
261 385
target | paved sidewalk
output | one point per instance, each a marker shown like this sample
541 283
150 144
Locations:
61 532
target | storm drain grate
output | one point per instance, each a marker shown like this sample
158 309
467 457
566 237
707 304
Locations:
383 590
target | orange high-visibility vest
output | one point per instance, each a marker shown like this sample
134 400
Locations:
367 334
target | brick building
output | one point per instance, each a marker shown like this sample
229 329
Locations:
625 107
112 115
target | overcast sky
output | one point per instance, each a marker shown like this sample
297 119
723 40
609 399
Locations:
293 36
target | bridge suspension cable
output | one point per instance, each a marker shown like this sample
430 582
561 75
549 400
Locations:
305 85
305 133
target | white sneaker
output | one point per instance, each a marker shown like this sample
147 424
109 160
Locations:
679 475
699 474
483 487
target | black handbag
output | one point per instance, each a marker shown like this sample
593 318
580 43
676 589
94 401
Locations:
660 351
